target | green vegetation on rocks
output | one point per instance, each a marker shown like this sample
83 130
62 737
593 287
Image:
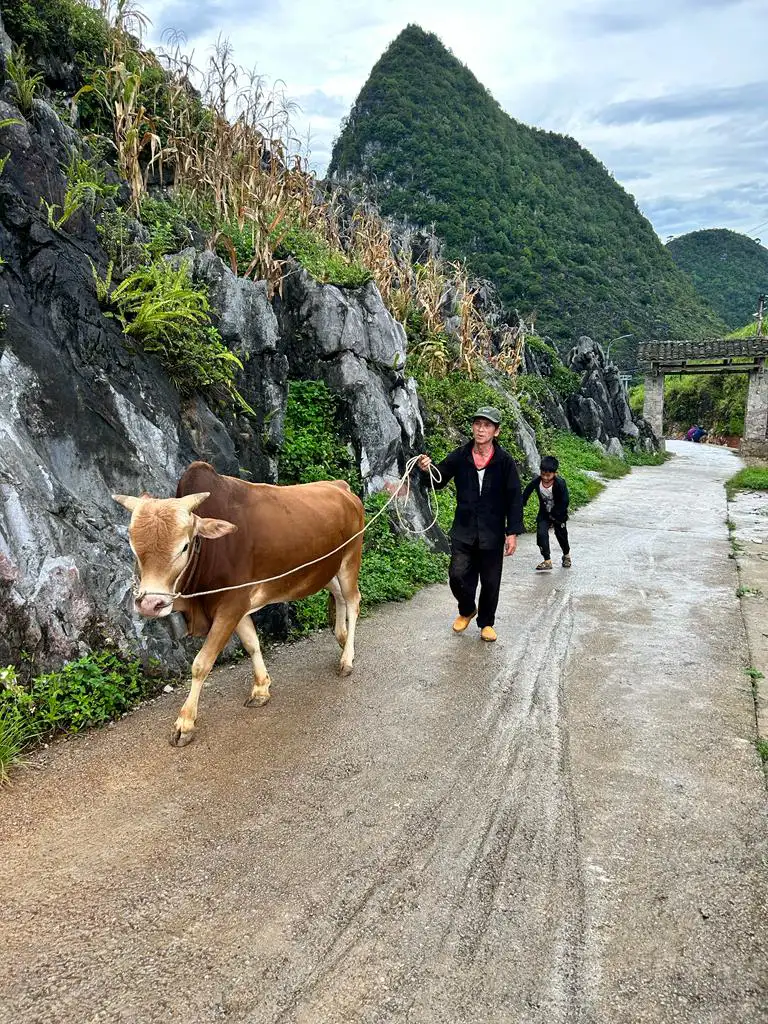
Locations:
69 30
326 264
393 567
312 447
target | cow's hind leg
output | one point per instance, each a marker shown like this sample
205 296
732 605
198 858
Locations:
219 633
340 625
347 577
261 681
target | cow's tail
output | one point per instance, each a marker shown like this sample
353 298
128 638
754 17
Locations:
331 610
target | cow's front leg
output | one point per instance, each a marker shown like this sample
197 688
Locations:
261 681
219 633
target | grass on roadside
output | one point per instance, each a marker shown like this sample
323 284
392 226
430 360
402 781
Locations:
16 737
761 742
755 478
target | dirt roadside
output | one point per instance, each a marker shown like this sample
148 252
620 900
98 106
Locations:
748 512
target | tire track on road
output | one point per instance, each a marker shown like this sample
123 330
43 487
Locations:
512 825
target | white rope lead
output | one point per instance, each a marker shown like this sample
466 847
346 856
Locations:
405 481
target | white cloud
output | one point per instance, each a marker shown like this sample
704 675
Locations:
668 94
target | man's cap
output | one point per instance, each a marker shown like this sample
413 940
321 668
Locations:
487 412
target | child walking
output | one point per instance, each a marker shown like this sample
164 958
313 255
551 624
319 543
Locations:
553 511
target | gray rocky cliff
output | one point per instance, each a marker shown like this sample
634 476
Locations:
600 410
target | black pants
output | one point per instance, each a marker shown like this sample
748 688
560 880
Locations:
470 563
542 536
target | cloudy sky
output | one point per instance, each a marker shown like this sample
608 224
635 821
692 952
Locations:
671 95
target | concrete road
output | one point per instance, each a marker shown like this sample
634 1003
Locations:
567 826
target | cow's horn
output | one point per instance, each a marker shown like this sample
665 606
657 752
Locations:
191 501
127 501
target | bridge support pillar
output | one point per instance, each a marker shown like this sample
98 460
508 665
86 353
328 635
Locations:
756 419
653 405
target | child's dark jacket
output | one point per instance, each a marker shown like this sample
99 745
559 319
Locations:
559 513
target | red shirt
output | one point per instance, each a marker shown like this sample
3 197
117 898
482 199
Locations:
481 461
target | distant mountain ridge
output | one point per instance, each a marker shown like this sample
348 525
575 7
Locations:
729 270
531 210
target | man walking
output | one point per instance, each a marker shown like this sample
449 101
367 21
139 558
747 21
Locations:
489 516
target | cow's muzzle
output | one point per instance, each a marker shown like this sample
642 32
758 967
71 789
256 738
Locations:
154 606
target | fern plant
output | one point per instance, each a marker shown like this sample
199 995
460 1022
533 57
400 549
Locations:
160 306
87 188
25 83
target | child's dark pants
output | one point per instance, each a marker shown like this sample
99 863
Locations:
468 564
542 536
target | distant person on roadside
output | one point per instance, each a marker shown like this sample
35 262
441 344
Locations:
488 518
552 493
696 434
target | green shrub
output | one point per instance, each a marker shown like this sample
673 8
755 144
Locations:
15 738
17 732
451 402
533 341
564 381
94 689
312 447
311 613
395 567
70 30
117 232
167 226
241 238
636 457
325 264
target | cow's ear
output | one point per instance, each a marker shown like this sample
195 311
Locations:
127 501
213 528
191 501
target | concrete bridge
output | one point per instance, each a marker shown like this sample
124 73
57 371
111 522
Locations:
727 355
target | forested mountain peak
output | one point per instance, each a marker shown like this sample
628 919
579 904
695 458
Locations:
532 210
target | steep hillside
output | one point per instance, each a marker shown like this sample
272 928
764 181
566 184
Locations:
729 270
531 210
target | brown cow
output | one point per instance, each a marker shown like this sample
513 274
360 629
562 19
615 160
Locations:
250 532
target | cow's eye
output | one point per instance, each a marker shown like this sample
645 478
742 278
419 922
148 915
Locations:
185 548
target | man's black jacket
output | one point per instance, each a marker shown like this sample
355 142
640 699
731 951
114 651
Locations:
490 516
559 512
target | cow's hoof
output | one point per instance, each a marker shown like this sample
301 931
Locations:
257 701
181 739
345 670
